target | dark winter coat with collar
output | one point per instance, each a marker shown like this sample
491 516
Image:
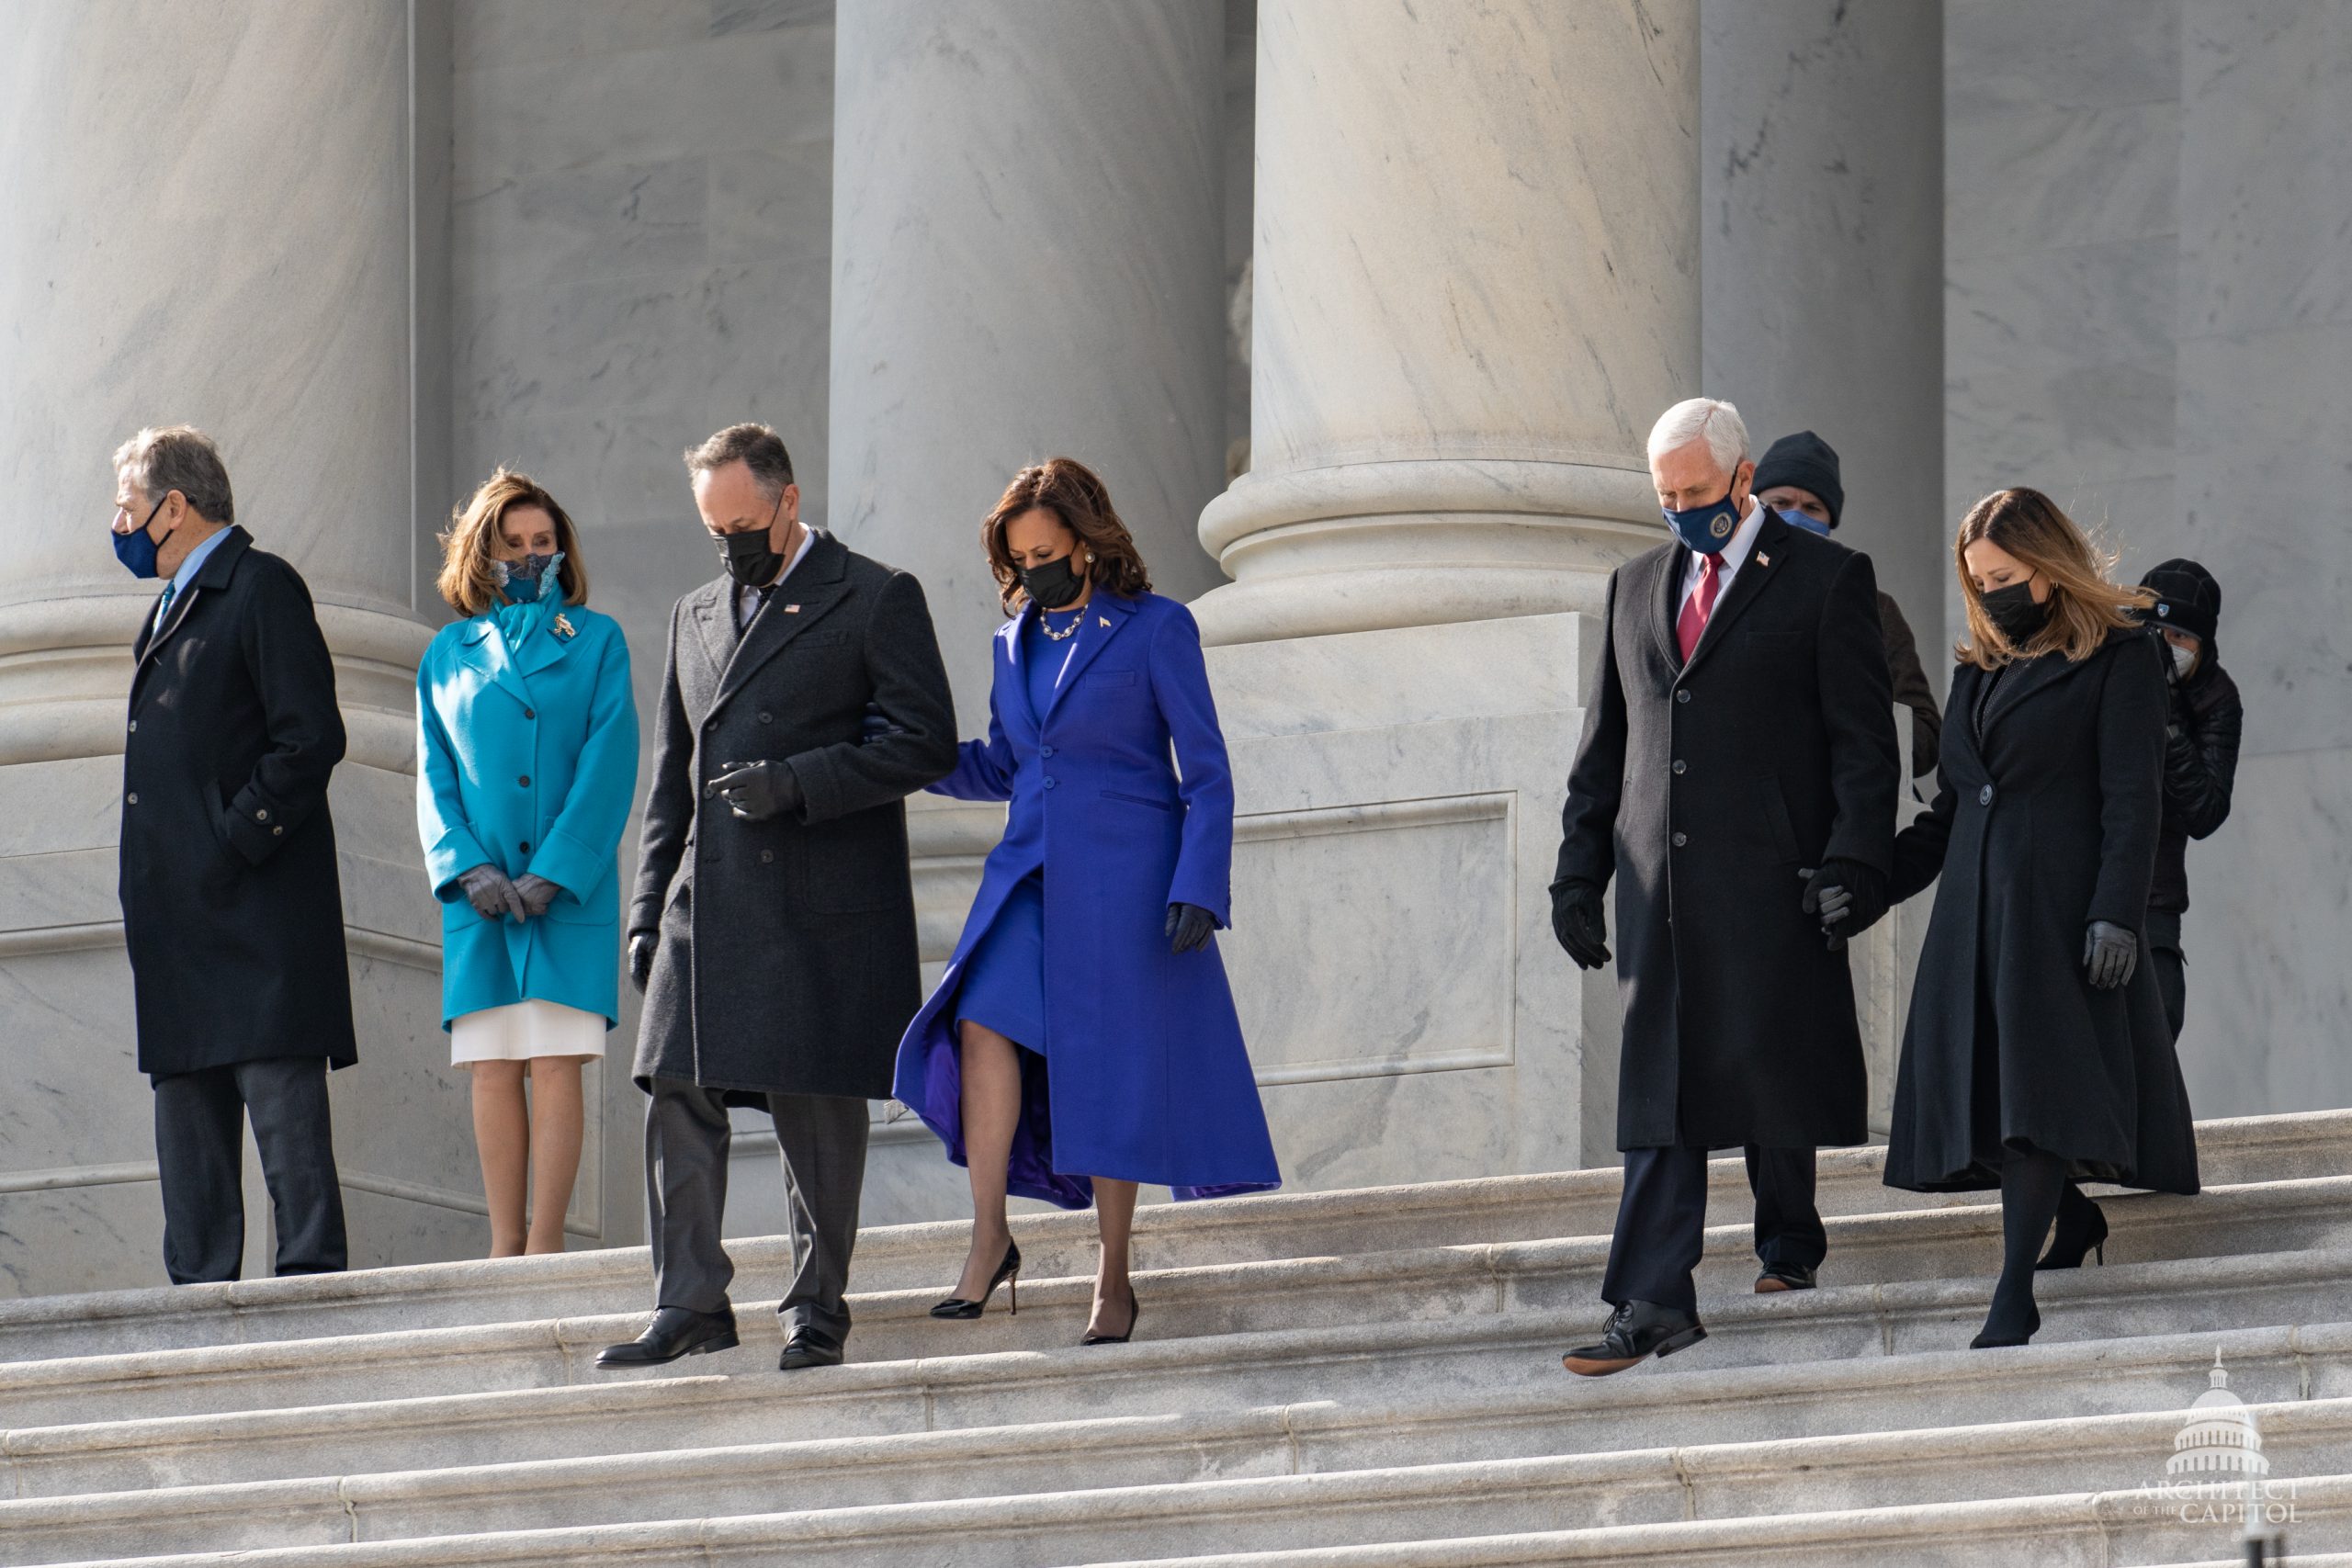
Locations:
231 902
2046 821
1704 789
787 961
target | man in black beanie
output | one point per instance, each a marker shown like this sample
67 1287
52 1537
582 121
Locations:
2200 758
1799 478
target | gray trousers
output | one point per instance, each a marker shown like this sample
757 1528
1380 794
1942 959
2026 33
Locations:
823 1141
200 1147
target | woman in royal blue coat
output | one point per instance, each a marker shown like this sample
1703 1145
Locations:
1083 1039
526 753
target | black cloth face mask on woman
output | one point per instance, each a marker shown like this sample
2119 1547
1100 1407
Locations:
2013 613
1052 585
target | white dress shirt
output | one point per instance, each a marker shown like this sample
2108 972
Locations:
1735 554
747 600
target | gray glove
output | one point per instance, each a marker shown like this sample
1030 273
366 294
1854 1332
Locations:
537 893
642 946
2109 955
756 791
493 896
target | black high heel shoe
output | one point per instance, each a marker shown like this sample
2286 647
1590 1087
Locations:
1135 1310
2014 1320
2081 1229
1007 1273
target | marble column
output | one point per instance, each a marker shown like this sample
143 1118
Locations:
1821 258
1028 261
1477 285
209 222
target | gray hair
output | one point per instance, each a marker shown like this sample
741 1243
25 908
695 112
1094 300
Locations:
756 447
179 458
1693 418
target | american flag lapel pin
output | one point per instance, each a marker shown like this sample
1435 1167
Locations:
792 609
1763 560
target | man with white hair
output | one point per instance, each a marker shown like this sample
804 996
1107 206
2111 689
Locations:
1737 776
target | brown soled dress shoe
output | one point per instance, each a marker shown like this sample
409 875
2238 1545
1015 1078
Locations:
1635 1332
1783 1277
674 1331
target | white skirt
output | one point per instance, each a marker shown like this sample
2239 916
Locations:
524 1029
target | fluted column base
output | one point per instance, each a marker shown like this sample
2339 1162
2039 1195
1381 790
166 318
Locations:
1362 547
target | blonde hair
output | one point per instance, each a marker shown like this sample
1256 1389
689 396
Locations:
467 580
2085 603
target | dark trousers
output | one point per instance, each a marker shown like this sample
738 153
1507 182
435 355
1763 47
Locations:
1662 1221
199 1144
823 1141
2162 946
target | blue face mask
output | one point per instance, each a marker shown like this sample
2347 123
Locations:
1803 520
136 549
1705 529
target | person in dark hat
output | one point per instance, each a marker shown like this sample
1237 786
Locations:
2201 730
1799 479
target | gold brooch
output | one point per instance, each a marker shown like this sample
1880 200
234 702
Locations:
563 626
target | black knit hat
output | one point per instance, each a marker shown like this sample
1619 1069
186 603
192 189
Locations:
1808 462
2188 599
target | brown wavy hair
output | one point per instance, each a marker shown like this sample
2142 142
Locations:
466 580
1076 494
2085 603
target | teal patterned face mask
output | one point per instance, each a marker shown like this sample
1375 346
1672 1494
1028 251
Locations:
524 580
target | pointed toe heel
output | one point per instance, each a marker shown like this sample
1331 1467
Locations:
1007 1273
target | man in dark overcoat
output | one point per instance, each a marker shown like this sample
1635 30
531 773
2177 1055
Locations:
232 906
773 929
1738 776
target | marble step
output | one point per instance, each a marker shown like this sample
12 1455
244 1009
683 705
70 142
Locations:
2309 1218
1487 1510
1868 1331
926 1257
1286 1477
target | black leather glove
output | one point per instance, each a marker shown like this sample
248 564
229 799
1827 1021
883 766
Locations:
642 946
2109 955
493 896
756 791
537 893
1850 897
1579 924
874 726
1189 927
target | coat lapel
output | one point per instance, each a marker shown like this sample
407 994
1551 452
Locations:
1756 574
1106 614
2023 681
219 567
1665 602
710 610
812 590
484 648
547 648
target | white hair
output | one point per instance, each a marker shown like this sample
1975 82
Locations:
1710 419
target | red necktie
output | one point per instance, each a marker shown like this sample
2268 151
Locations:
1690 624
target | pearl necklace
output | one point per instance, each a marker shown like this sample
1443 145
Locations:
1078 619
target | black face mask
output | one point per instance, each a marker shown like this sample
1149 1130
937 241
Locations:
747 558
1053 585
2013 613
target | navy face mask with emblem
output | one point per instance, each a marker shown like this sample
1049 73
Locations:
1705 529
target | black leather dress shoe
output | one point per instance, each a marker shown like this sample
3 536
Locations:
1783 1277
807 1349
1634 1332
674 1331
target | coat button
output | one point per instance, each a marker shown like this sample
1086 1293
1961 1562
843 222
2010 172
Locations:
766 855
1678 765
278 832
767 718
1680 839
526 847
262 814
1984 796
528 712
1049 783
131 799
524 781
1044 750
1682 696
135 726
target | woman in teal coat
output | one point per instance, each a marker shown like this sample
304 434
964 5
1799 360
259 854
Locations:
526 756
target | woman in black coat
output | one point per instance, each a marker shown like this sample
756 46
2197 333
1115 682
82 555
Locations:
2037 1051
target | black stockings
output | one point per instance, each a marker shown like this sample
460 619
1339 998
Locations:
2031 1184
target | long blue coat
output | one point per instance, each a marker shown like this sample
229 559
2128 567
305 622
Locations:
1146 1075
528 764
